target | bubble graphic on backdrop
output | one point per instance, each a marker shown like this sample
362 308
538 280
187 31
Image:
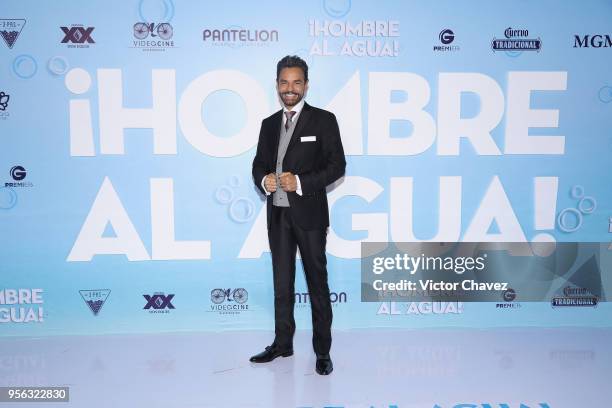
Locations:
571 219
337 8
240 209
8 198
58 65
156 11
605 94
25 66
224 195
78 81
513 54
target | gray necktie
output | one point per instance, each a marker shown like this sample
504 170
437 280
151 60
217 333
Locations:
289 115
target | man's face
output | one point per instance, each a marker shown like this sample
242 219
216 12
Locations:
291 86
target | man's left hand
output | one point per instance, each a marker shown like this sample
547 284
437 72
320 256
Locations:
288 182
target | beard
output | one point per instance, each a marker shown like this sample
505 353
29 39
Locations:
290 99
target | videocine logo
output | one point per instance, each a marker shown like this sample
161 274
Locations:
516 40
77 36
592 41
152 36
229 301
446 37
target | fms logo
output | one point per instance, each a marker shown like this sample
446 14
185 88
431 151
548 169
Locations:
229 301
18 174
153 36
95 299
77 36
516 40
446 38
159 302
10 30
592 41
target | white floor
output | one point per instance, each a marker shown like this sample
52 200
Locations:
373 368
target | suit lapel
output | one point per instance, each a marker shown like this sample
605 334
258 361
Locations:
299 126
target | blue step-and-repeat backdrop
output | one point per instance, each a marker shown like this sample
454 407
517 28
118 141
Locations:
128 128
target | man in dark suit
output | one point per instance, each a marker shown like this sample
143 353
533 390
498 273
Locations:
299 153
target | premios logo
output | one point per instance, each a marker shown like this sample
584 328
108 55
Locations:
516 40
153 36
509 297
18 174
446 38
229 301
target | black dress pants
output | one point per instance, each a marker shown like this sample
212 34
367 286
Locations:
284 237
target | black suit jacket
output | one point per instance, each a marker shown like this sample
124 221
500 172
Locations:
317 163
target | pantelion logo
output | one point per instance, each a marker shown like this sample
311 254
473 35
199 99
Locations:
516 40
10 30
238 36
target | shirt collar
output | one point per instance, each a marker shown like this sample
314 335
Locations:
297 108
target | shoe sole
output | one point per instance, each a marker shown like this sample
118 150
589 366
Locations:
285 354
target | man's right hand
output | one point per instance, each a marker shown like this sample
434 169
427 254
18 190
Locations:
270 182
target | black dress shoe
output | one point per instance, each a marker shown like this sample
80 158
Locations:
270 353
324 364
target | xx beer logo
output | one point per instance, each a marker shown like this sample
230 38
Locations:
78 35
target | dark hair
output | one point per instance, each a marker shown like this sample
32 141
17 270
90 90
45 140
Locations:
291 61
